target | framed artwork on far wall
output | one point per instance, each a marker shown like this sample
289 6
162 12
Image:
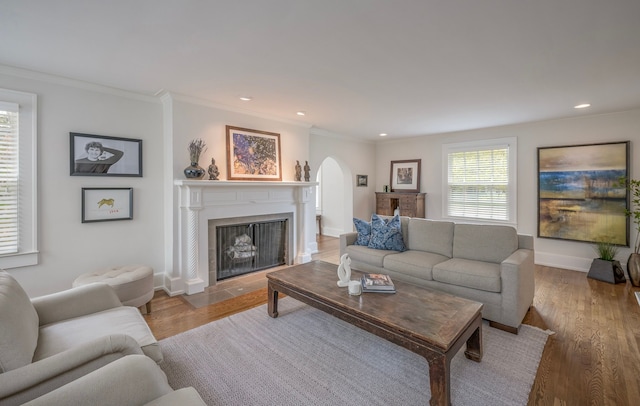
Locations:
579 195
405 176
253 155
100 155
107 204
362 180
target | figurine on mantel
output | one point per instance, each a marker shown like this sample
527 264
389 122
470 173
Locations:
298 172
213 170
344 271
306 171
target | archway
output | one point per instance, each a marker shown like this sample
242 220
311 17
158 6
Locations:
334 200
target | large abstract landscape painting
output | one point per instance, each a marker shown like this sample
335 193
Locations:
579 196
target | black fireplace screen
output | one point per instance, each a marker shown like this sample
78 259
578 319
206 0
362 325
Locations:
244 248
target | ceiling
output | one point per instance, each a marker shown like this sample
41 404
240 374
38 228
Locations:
356 67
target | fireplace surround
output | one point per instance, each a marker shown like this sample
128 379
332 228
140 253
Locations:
203 200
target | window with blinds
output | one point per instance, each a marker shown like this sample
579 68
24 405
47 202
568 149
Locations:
480 180
18 179
8 178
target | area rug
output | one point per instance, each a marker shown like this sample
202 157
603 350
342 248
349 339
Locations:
307 357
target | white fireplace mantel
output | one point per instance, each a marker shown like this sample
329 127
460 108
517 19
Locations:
203 200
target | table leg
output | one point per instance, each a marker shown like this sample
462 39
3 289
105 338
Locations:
272 301
474 345
439 376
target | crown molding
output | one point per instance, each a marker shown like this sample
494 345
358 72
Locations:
79 84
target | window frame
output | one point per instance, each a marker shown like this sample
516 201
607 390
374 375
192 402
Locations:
27 180
512 145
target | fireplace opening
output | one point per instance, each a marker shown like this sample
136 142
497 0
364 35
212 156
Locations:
250 247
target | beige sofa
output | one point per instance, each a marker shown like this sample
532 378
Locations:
52 340
490 264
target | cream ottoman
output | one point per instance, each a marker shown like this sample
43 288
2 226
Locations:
132 283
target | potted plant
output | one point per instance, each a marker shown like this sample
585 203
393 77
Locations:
606 268
633 263
194 171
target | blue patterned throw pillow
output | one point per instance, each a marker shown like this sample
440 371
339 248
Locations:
364 232
386 235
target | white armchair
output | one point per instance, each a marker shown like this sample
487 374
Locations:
134 380
50 341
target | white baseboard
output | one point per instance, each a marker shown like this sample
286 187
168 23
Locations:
563 261
332 232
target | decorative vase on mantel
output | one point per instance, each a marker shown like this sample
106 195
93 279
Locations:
194 171
633 269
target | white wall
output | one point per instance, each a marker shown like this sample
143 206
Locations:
194 119
68 247
622 126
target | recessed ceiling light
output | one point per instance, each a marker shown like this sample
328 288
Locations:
383 134
246 98
582 106
301 113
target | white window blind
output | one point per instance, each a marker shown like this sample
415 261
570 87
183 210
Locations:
18 179
8 178
481 181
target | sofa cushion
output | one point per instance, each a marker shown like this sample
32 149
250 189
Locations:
367 255
386 235
414 263
60 336
364 232
484 242
18 325
471 274
431 236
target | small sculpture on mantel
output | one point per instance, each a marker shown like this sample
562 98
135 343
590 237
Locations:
298 172
344 271
306 171
213 170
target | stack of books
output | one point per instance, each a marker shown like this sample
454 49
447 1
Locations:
377 282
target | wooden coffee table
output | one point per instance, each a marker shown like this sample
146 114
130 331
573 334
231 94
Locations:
427 322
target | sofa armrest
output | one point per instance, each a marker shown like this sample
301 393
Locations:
75 302
30 381
132 380
518 284
347 239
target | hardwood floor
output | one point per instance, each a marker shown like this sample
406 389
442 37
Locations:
593 357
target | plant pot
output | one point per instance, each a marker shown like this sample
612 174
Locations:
606 271
633 269
194 171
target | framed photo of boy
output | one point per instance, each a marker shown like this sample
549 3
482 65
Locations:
405 176
100 155
107 204
253 155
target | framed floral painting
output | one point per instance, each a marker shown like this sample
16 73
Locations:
253 155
